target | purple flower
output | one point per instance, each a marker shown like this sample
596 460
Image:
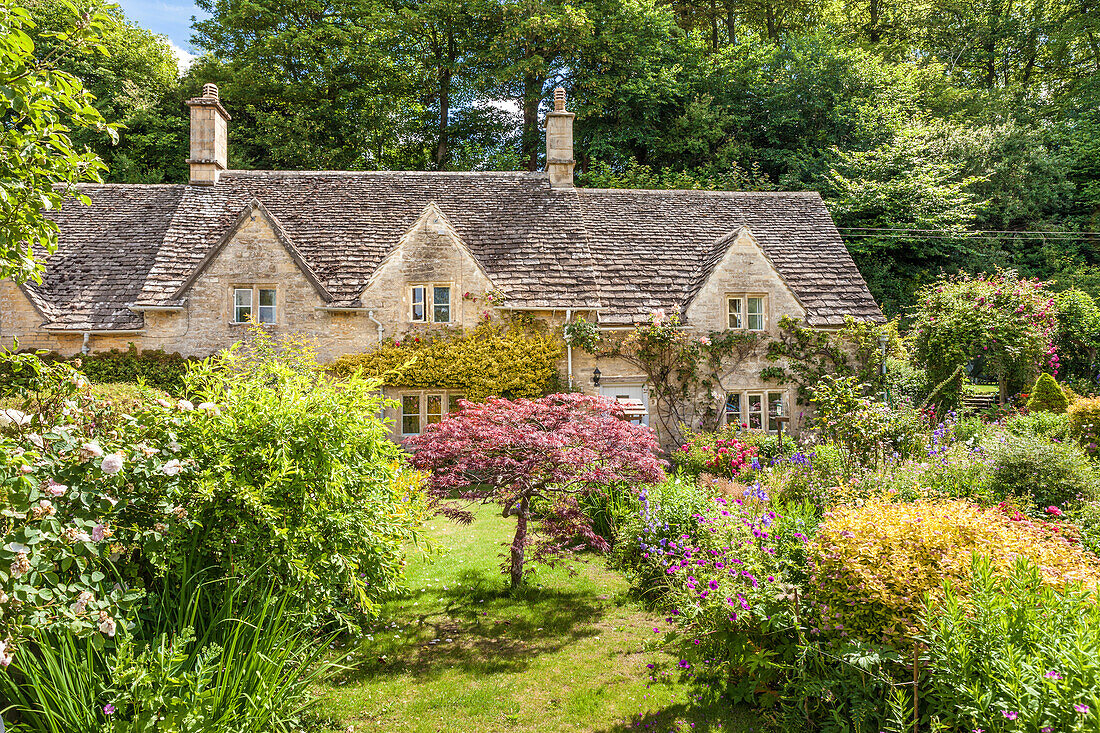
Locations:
108 709
1010 714
1053 675
1081 708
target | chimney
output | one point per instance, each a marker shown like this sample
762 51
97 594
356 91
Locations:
208 136
559 143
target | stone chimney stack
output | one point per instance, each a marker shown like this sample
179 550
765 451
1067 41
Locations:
559 143
208 137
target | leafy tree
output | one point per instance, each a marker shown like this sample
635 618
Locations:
41 106
554 449
135 83
999 325
1077 337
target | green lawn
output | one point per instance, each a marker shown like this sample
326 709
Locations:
570 654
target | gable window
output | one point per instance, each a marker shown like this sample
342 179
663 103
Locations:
733 409
441 301
242 305
267 305
755 314
410 414
419 314
736 319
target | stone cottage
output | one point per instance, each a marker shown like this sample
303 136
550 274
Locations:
348 258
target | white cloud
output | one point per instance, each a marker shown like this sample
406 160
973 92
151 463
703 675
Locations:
183 58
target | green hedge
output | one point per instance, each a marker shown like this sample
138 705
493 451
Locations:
153 367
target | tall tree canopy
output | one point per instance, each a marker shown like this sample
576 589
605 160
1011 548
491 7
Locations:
945 134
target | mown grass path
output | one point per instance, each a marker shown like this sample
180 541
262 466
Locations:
570 654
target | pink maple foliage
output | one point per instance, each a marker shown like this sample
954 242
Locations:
555 448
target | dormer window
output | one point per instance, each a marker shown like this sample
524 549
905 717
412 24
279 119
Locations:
256 304
747 312
430 304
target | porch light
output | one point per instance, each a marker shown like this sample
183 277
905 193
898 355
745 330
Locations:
596 376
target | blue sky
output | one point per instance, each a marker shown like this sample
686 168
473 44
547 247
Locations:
170 17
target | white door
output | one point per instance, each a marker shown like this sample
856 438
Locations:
634 395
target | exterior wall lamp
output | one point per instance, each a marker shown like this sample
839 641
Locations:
596 376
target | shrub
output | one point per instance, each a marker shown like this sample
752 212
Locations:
1042 424
1084 423
490 360
1038 471
297 475
1047 396
1013 653
666 511
873 564
722 454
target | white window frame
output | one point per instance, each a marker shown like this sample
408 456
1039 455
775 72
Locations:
762 314
272 310
237 305
412 416
254 308
427 302
735 313
739 422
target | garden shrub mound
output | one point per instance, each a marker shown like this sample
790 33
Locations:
1047 396
1084 423
1037 471
872 565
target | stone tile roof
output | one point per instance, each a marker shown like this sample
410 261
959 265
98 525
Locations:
654 249
624 251
105 252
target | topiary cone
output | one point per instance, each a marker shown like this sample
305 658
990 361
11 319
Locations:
1047 396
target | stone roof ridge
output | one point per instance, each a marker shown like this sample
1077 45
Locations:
248 173
705 191
706 266
248 212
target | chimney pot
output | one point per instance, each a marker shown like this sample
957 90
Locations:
209 137
559 143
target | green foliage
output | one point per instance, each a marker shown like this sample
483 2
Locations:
488 360
207 656
1047 425
153 367
667 511
1013 647
40 164
813 354
1077 337
1084 423
723 454
297 475
1039 472
1001 323
1047 396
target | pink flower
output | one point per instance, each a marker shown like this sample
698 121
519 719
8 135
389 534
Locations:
1054 511
1010 714
55 489
99 532
1081 708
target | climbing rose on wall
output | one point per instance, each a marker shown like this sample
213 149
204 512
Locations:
555 448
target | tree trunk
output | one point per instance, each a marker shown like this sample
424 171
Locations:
874 34
731 23
714 25
522 512
773 33
532 95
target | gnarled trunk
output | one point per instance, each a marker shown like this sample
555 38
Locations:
522 510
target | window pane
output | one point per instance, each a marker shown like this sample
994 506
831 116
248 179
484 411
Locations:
756 407
242 304
733 409
418 304
435 408
775 408
756 314
267 297
410 414
442 305
267 306
735 313
452 402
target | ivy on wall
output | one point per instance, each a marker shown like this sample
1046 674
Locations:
518 359
810 354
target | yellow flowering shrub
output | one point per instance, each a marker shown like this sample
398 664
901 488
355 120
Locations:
872 565
488 360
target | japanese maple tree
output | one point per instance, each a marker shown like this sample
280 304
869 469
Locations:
555 448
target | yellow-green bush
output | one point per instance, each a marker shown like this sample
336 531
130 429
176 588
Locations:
489 360
873 565
1084 422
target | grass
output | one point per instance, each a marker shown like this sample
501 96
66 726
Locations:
567 654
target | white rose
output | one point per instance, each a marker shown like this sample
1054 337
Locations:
12 416
172 467
185 405
91 450
112 463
